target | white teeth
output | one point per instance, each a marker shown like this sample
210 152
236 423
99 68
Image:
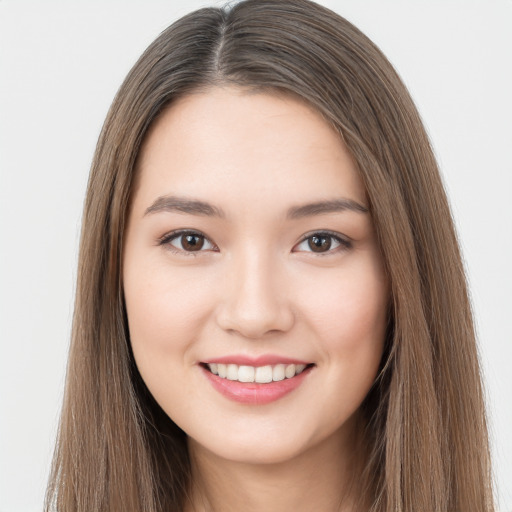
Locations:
258 374
289 371
232 372
263 374
221 368
278 372
246 374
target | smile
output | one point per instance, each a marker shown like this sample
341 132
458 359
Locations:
262 382
257 374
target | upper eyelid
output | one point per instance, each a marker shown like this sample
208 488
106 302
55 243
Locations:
172 235
184 231
333 234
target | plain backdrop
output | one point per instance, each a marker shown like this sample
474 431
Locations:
60 66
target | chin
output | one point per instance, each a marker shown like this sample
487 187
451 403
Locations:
267 444
259 453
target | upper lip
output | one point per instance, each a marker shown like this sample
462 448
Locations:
263 360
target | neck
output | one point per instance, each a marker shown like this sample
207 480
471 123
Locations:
322 478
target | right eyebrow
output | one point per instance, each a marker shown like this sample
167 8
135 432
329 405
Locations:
184 205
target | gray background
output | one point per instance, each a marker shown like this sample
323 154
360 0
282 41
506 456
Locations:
60 66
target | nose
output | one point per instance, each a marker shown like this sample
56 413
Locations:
255 300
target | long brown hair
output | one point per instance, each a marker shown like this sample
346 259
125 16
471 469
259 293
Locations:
425 419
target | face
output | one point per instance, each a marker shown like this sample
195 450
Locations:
254 286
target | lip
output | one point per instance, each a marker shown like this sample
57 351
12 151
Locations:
263 360
253 393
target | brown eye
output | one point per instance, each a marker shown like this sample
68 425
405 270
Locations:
320 243
192 242
323 242
187 242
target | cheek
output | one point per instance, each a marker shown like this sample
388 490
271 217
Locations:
166 312
348 313
163 305
350 305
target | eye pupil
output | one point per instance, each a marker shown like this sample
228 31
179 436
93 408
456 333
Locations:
192 242
319 243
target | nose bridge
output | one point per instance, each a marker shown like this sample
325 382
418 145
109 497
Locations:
255 301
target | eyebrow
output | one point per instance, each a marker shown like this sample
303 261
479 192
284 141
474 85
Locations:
197 207
184 205
323 207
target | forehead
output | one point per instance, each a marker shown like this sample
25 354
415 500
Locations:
238 147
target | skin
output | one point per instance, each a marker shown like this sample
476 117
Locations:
256 287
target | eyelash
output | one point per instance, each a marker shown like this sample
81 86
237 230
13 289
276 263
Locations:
174 235
343 243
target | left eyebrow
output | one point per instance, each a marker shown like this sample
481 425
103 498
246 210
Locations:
184 205
323 207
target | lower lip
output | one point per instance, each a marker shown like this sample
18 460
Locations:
253 393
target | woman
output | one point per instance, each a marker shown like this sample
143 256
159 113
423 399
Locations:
270 292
